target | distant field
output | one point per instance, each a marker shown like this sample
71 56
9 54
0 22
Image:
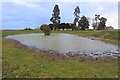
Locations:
22 62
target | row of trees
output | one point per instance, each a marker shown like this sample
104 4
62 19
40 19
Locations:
62 26
79 22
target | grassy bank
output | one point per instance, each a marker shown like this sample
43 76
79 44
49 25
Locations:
22 62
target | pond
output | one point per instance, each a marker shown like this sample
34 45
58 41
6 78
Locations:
64 43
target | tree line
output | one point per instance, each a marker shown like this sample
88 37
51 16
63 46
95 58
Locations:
79 23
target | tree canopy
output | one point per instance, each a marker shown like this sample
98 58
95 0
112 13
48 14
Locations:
102 23
55 19
83 23
76 14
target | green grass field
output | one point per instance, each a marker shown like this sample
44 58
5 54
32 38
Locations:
23 63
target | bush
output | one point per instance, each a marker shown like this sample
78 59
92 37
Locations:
46 29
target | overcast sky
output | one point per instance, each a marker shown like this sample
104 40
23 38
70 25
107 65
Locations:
19 14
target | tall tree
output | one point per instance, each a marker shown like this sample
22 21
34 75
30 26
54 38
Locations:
55 19
83 23
102 23
96 19
93 24
76 15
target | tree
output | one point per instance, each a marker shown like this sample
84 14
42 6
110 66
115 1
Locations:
62 26
102 23
94 24
51 26
46 29
96 19
55 19
76 15
83 23
72 26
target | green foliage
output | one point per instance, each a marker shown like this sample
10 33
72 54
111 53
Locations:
51 26
99 25
76 14
63 26
102 23
46 29
55 19
95 25
83 23
97 17
73 26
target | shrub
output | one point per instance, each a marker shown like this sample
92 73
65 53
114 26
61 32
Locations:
46 29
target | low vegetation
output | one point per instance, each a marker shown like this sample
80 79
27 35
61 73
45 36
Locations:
22 62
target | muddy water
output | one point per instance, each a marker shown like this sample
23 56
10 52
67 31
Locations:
64 43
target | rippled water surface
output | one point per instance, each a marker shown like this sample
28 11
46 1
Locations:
63 42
